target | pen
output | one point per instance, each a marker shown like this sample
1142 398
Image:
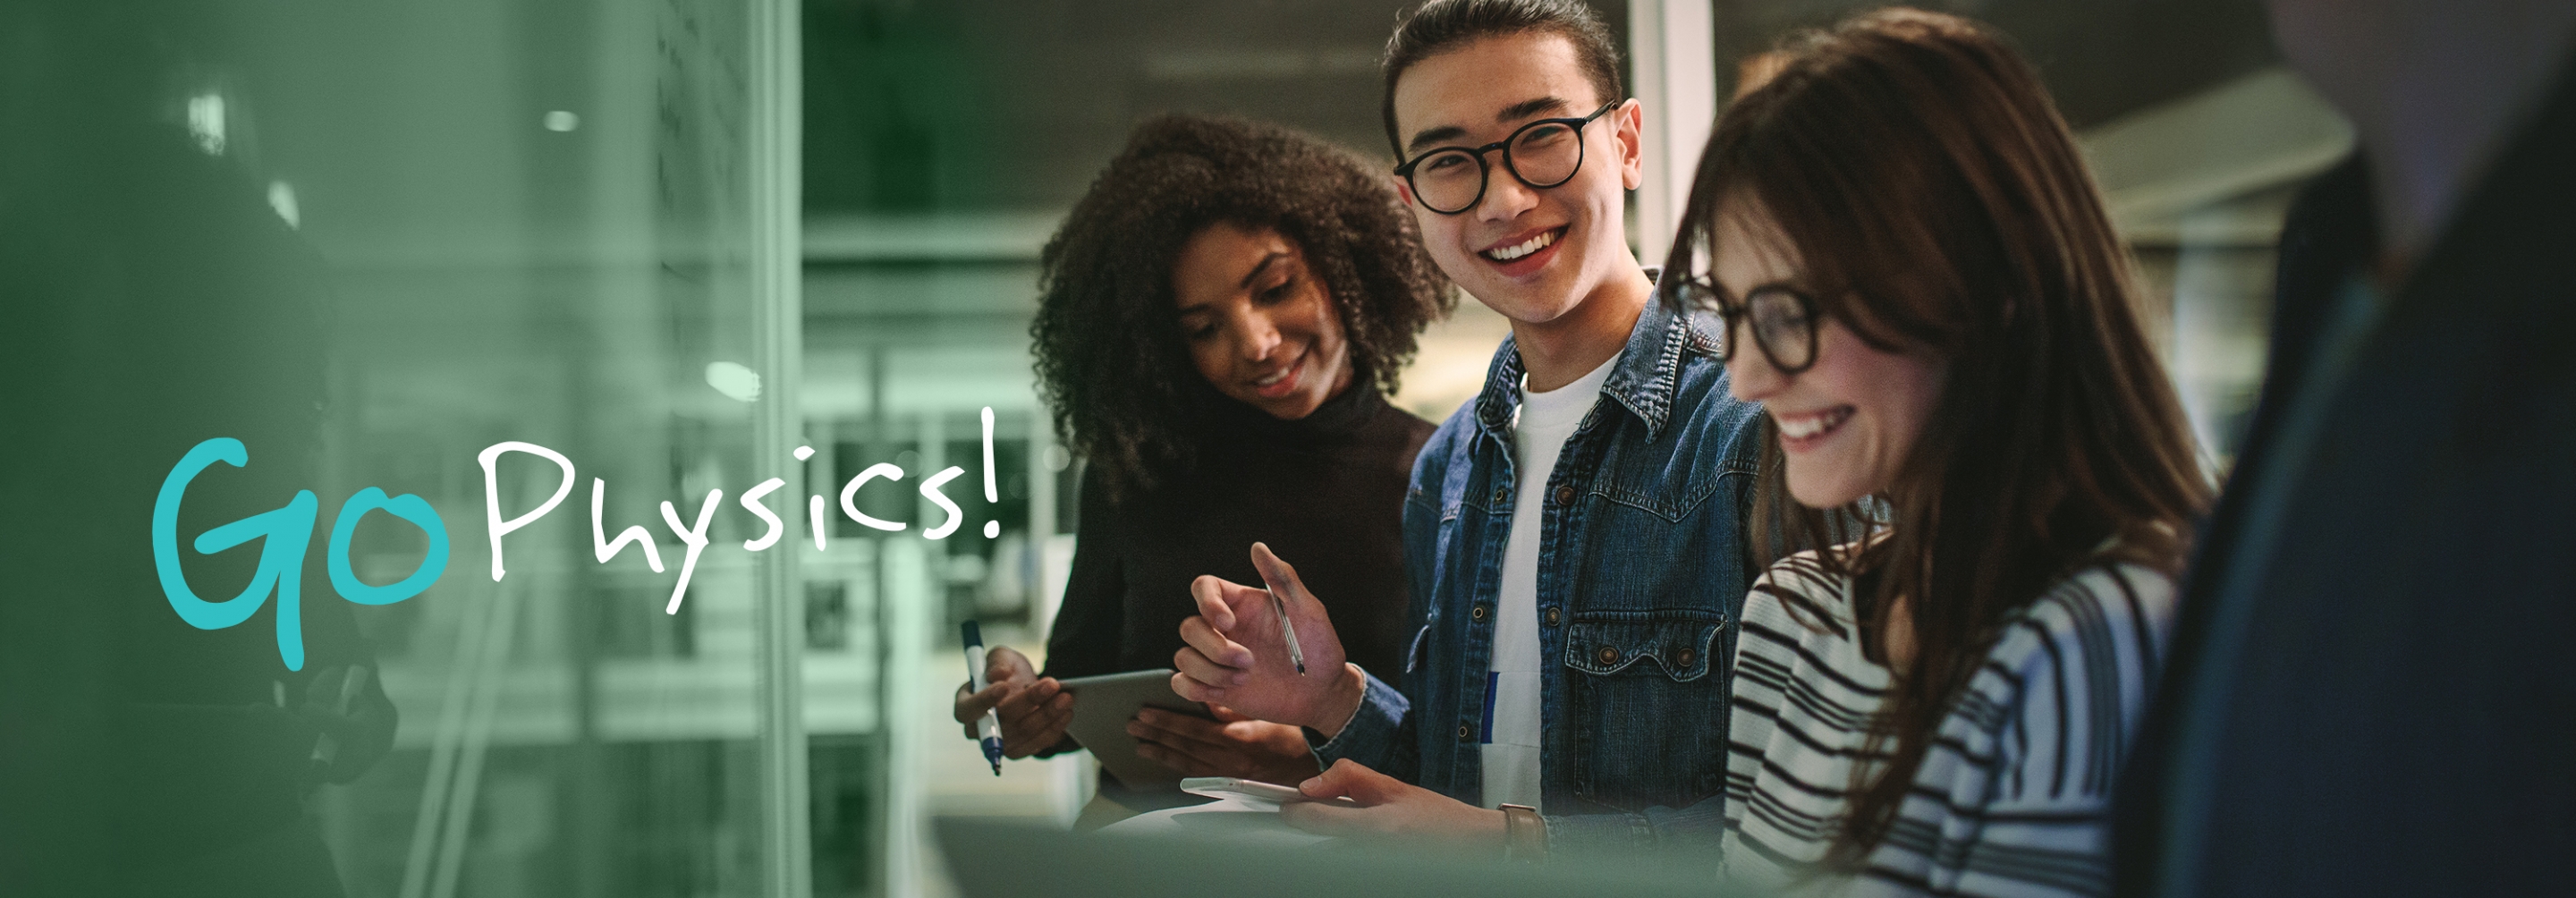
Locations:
1287 631
988 728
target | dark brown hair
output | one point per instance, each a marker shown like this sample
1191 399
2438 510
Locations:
1442 25
1109 353
1915 164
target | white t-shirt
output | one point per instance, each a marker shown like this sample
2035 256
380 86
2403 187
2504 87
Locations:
1513 717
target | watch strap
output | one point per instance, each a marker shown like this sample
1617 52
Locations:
1524 834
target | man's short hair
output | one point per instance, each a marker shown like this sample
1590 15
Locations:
1442 25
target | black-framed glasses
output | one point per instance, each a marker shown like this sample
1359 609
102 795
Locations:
1543 154
1783 320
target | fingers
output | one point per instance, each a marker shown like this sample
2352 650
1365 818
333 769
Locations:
1021 700
1345 779
1009 676
971 705
1179 730
1003 664
322 691
1186 687
1198 633
1330 818
1039 729
1036 741
1187 763
1170 740
1226 714
1279 573
1215 660
1034 717
1209 591
1041 738
1278 736
1189 687
1324 785
1194 663
1351 779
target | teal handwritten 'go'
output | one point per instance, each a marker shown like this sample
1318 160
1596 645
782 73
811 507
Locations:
286 533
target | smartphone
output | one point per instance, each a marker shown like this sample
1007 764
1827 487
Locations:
1236 787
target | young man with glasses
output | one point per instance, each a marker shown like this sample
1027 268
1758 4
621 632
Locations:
1574 535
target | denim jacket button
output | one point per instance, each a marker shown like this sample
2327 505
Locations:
1466 732
1498 495
1686 656
1551 617
1609 655
1477 612
1564 495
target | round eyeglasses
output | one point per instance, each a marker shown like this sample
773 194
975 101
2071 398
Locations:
1783 320
1543 154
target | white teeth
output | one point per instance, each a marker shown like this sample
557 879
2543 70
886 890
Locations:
1804 426
1523 248
1267 380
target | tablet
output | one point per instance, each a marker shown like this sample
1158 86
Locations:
1102 705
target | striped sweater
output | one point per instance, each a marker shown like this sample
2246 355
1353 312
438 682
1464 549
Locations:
2013 797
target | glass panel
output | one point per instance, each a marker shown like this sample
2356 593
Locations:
369 241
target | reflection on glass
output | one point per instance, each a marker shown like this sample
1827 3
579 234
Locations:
369 240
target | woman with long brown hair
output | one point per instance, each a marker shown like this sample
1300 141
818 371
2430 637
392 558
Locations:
1921 288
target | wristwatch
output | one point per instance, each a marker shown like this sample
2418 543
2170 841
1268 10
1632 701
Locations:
1524 834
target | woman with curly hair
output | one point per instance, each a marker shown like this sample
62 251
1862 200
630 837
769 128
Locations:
1220 321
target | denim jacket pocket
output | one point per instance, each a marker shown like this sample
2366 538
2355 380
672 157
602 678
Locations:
1674 643
1649 720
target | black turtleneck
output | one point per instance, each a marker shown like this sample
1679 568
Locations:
1325 491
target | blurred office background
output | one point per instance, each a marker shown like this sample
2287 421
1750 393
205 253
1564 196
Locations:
675 240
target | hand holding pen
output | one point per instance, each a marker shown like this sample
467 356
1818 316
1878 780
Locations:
1033 710
1287 630
1246 648
988 726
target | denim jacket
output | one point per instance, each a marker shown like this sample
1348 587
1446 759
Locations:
1642 570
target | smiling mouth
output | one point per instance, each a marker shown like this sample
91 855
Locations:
1278 383
1799 431
1525 247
